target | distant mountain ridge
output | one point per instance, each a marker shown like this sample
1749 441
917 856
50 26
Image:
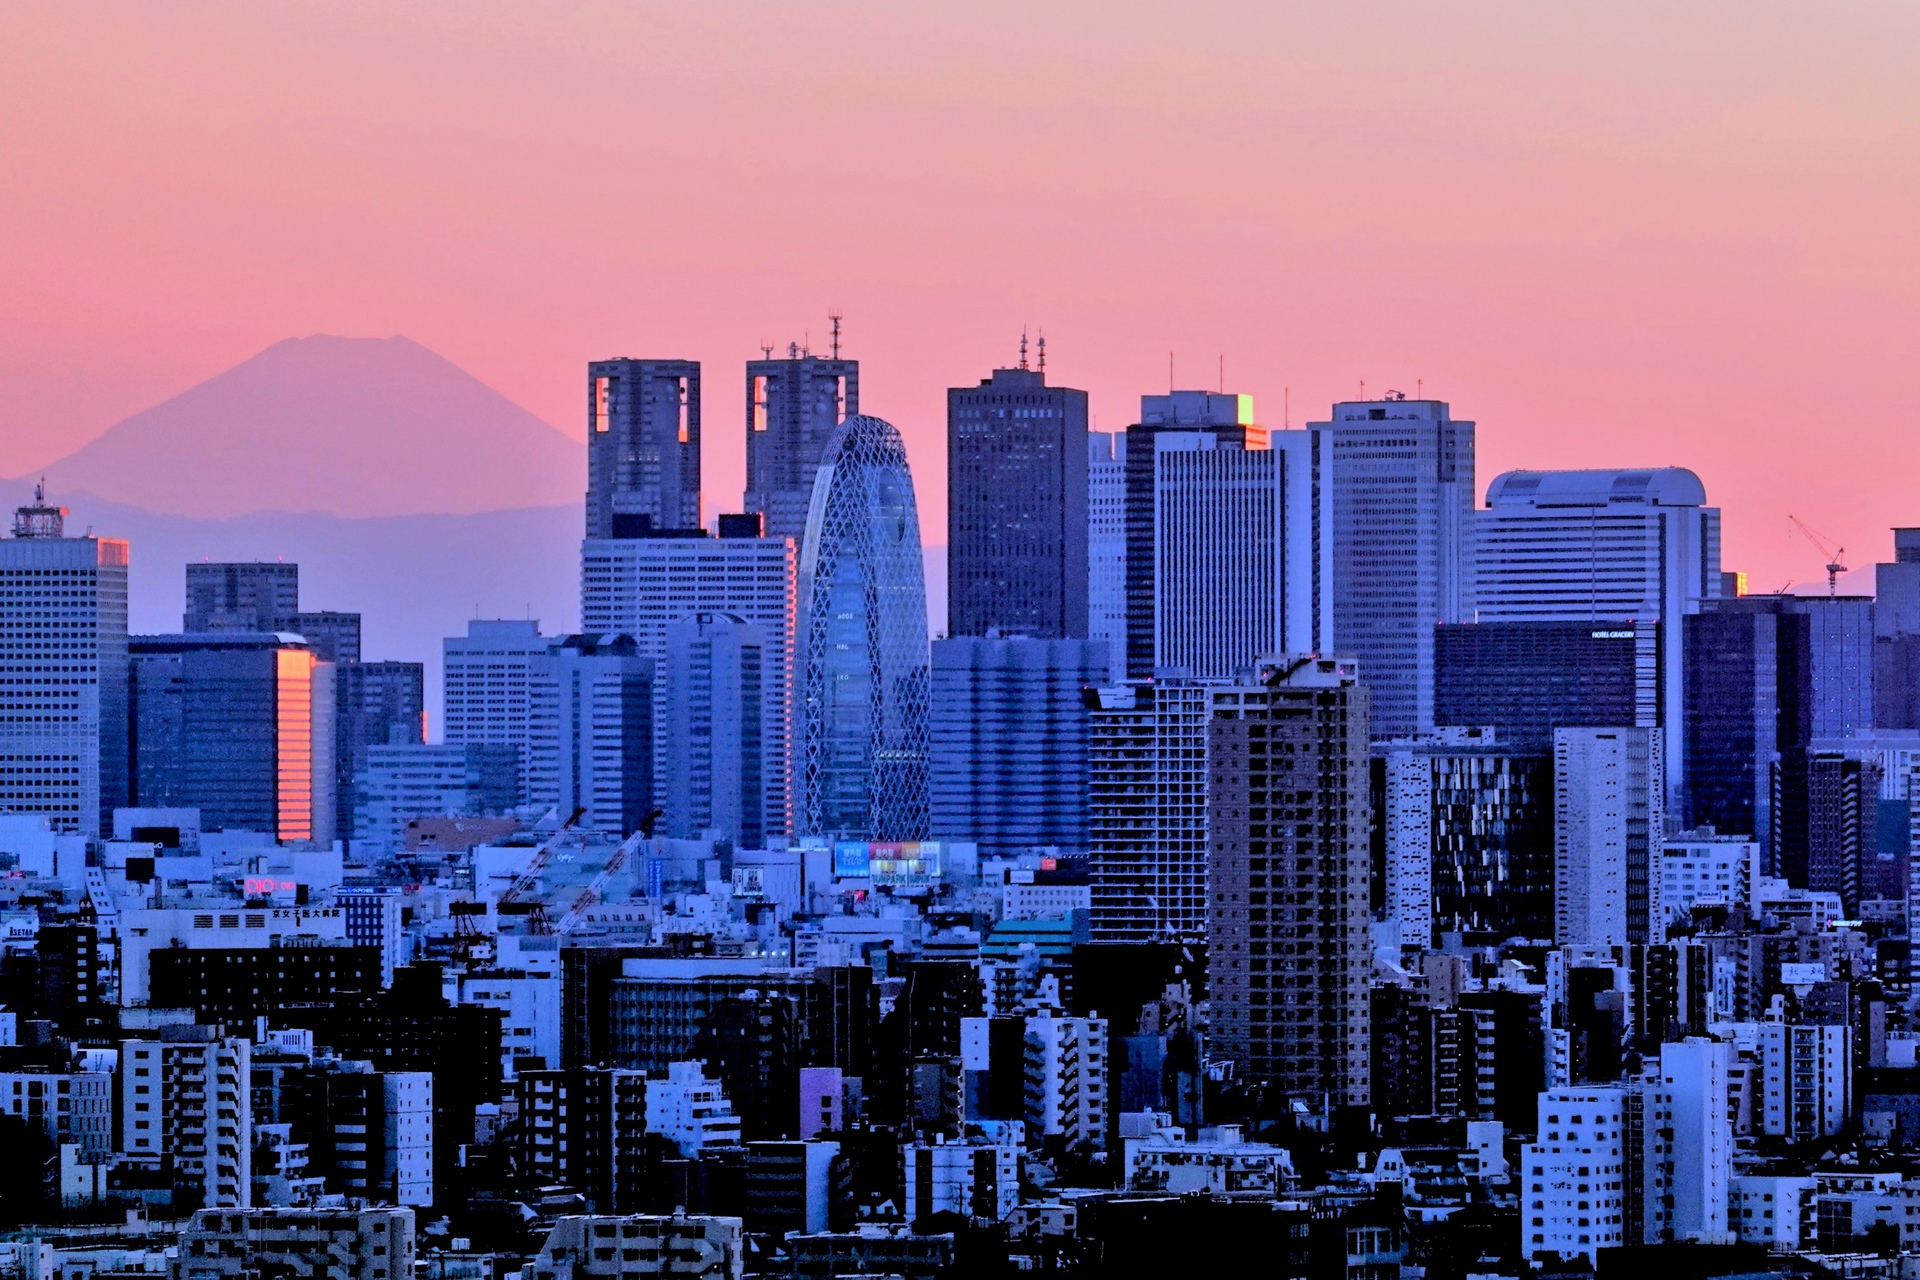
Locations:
354 427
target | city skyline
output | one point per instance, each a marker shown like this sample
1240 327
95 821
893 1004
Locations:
1695 272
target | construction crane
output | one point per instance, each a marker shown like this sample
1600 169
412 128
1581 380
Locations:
1833 551
591 894
530 874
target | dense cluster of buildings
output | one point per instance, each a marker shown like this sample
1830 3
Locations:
1283 849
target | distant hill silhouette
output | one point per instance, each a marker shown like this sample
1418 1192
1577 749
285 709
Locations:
346 426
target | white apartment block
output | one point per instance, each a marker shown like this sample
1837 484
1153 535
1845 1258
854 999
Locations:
1219 1160
1770 1210
341 1244
68 1106
691 1110
1043 901
641 586
1806 1080
1574 1180
1688 1143
192 1100
222 925
1701 869
1607 831
530 1013
1066 1078
408 1140
605 1247
972 1179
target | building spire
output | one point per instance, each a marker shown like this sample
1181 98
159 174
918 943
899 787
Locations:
1043 351
1023 348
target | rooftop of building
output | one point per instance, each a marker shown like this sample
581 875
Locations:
1646 487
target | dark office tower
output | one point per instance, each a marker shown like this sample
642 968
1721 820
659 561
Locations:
793 405
377 704
586 1129
1229 419
1743 711
1526 679
1401 476
643 447
257 596
235 985
1843 795
1289 950
1463 836
234 725
334 636
751 1045
1017 506
1839 664
1896 635
842 1006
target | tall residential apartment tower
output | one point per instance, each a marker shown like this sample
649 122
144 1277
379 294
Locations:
793 406
1289 950
1017 507
643 447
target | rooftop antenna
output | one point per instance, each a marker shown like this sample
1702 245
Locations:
1286 407
766 350
1363 388
1223 373
793 351
806 344
1169 373
1043 351
1023 348
1419 388
835 317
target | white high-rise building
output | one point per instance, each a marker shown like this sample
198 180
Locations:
1066 1078
1607 831
1107 546
1688 1143
641 586
690 1109
63 672
1702 868
1575 1180
191 1100
1603 546
408 1136
1387 503
1806 1077
488 693
1216 544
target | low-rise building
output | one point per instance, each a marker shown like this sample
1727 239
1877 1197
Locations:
972 1179
609 1247
338 1244
1219 1161
690 1109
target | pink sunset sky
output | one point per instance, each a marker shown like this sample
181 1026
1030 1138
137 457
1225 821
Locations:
1613 234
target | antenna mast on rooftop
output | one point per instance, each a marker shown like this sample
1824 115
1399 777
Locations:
835 317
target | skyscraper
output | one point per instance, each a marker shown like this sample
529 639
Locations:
1009 741
1107 546
1289 951
641 586
1896 635
592 743
863 637
1229 420
1147 809
237 725
793 407
487 694
247 596
1216 551
1017 506
377 704
63 652
712 734
1397 479
1526 679
643 447
1465 829
1607 829
1604 547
